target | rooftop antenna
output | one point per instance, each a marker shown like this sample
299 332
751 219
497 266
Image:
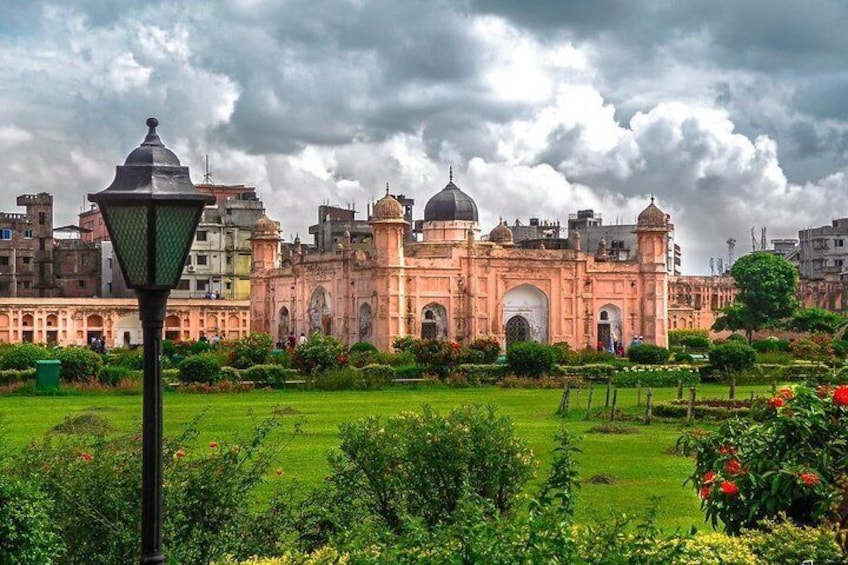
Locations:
207 175
712 266
763 240
731 243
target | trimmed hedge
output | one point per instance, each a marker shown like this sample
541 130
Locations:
648 354
595 370
706 409
79 363
656 378
24 355
530 359
9 376
484 374
113 374
733 357
201 368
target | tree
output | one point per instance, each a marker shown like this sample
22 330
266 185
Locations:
767 285
815 320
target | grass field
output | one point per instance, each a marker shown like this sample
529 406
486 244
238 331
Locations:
639 462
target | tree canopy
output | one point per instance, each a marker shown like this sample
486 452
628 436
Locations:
767 284
814 320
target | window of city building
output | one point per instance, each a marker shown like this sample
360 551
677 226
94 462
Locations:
188 260
27 234
81 283
201 235
229 260
202 284
27 260
201 259
42 218
837 262
5 234
183 284
25 284
4 286
839 243
4 260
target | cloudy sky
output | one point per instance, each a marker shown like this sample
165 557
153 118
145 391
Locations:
732 112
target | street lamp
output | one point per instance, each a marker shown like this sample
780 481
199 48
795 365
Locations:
151 211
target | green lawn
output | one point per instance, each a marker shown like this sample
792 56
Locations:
639 462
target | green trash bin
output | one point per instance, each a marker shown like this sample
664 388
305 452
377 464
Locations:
47 372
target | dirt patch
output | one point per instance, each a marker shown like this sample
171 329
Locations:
83 424
613 428
602 479
285 411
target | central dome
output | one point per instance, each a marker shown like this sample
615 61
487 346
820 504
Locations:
449 205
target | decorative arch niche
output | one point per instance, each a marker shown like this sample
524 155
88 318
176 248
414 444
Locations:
365 324
320 311
283 325
525 314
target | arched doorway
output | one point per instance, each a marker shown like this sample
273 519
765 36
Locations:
128 331
434 322
320 312
517 329
609 328
93 329
530 304
172 328
52 332
27 334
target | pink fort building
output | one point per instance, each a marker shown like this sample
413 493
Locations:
452 285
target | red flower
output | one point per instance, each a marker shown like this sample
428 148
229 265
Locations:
85 456
279 472
180 453
728 488
809 479
733 466
786 393
727 450
213 445
775 402
705 492
709 477
840 396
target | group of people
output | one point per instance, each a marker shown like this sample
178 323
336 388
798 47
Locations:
215 338
97 344
617 347
292 341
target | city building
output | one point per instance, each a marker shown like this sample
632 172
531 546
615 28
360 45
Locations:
218 264
76 264
822 252
26 248
451 284
336 223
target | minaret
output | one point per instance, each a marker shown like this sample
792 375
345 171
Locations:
652 229
388 228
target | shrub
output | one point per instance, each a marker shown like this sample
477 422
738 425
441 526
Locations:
709 548
231 374
202 368
408 372
422 465
530 359
361 358
680 336
24 356
648 354
79 363
112 375
27 529
775 358
252 349
596 371
475 374
739 338
817 347
268 375
399 359
339 378
733 357
563 354
489 347
363 346
376 376
320 353
589 356
128 358
784 542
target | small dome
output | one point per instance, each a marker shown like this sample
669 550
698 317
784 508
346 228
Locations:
501 234
152 151
449 205
265 226
387 208
652 217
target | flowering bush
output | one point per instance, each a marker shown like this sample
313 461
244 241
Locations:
252 349
320 353
489 347
789 457
438 357
817 347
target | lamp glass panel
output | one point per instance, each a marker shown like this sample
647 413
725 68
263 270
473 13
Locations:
128 231
175 226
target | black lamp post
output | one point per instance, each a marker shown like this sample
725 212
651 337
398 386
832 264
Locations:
151 211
